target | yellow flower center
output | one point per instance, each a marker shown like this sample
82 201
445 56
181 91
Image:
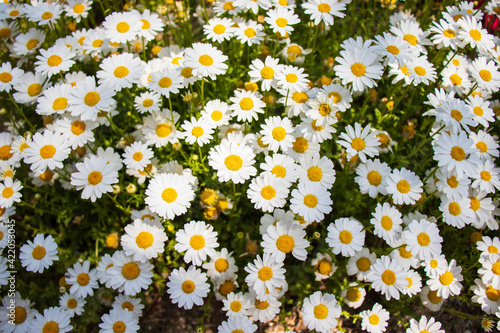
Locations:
83 279
226 288
145 24
363 264
324 109
221 265
39 252
496 268
47 16
353 295
14 13
374 178
97 43
386 223
358 69
60 103
292 78
130 271
246 103
285 243
419 70
403 186
314 174
454 208
281 22
433 297
228 6
457 115
169 195
261 305
475 34
485 75
34 89
434 263
310 200
78 8
279 133
446 278
265 273
206 60
197 242
267 73
235 306
388 277
54 60
216 115
233 162
32 43
50 327
345 237
72 303
20 315
78 127
404 253
128 306
188 286
144 239
121 71
423 239
485 175
410 39
165 82
300 97
455 79
492 294
119 327
122 27
449 33
457 153
163 130
94 178
268 192
452 182
358 144
392 49
320 310
492 249
5 77
5 153
197 131
294 49
374 319
47 151
324 8
219 29
324 267
250 32
92 98
279 171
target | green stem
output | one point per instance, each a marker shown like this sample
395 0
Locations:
20 109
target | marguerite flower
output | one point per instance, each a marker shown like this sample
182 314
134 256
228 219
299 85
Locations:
374 320
405 186
205 60
95 176
82 279
312 201
320 312
38 254
346 236
388 277
232 162
360 142
198 240
283 238
187 287
119 320
143 241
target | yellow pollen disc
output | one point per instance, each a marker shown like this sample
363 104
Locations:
455 79
279 133
456 62
9 173
358 144
410 39
78 127
34 89
314 174
345 237
492 249
283 3
434 263
386 223
221 265
83 279
261 305
197 242
122 27
246 104
492 294
48 120
130 271
78 8
5 152
485 175
423 239
97 43
457 153
54 60
39 252
14 13
281 22
374 319
165 82
457 115
72 303
363 264
267 73
475 34
228 6
496 268
292 78
7 192
147 102
300 97
20 315
119 327
265 273
249 32
300 145
310 200
478 111
32 43
353 295
188 286
169 195
320 311
5 77
388 277
279 171
144 239
497 10
197 131
358 69
268 192
419 70
95 177
233 162
485 75
374 178
433 297
324 109
446 278
216 115
405 253
384 140
449 33
294 49
324 267
235 306
403 186
60 103
92 98
324 8
219 29
226 288
285 243
145 24
121 71
452 182
47 151
392 49
206 60
410 282
128 306
50 327
47 16
163 130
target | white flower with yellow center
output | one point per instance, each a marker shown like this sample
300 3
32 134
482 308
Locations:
486 295
216 113
360 264
387 222
28 43
267 192
292 79
278 215
486 177
82 279
430 299
198 240
75 131
169 195
456 79
232 162
353 295
346 236
265 71
280 20
23 311
219 29
143 241
47 150
10 192
94 176
320 312
30 87
473 34
451 186
9 76
236 305
147 102
277 133
166 81
488 245
137 156
317 169
490 270
445 34
53 320
159 128
372 177
72 304
263 310
284 238
311 201
205 60
187 287
405 186
265 275
393 48
38 254
78 9
485 73
422 239
448 283
374 320
221 266
246 105
421 70
122 27
424 325
87 99
250 32
197 130
323 110
360 142
435 266
483 113
324 10
409 29
119 320
54 60
238 324
54 100
387 277
152 24
43 12
120 71
128 275
457 213
131 304
401 254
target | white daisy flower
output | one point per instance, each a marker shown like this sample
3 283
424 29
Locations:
23 313
486 177
372 177
53 320
28 43
422 239
221 266
143 241
265 274
284 238
280 20
353 295
278 215
404 186
38 254
360 142
410 31
54 100
73 305
87 99
323 110
9 76
236 305
424 324
10 192
430 299
483 114
95 176
240 324
219 29
324 10
250 32
473 34
232 162
292 79
263 310
165 81
346 236
119 320
131 304
456 213
323 266
46 150
30 87
216 113
54 60
312 201
187 287
414 283
435 266
120 71
448 283
388 277
296 102
374 320
198 240
445 34
76 132
129 276
267 192
486 74
321 312
393 48
387 222
152 24
78 9
486 295
122 27
277 133
490 270
360 264
137 156
82 280
265 71
205 60
147 102
159 128
197 130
